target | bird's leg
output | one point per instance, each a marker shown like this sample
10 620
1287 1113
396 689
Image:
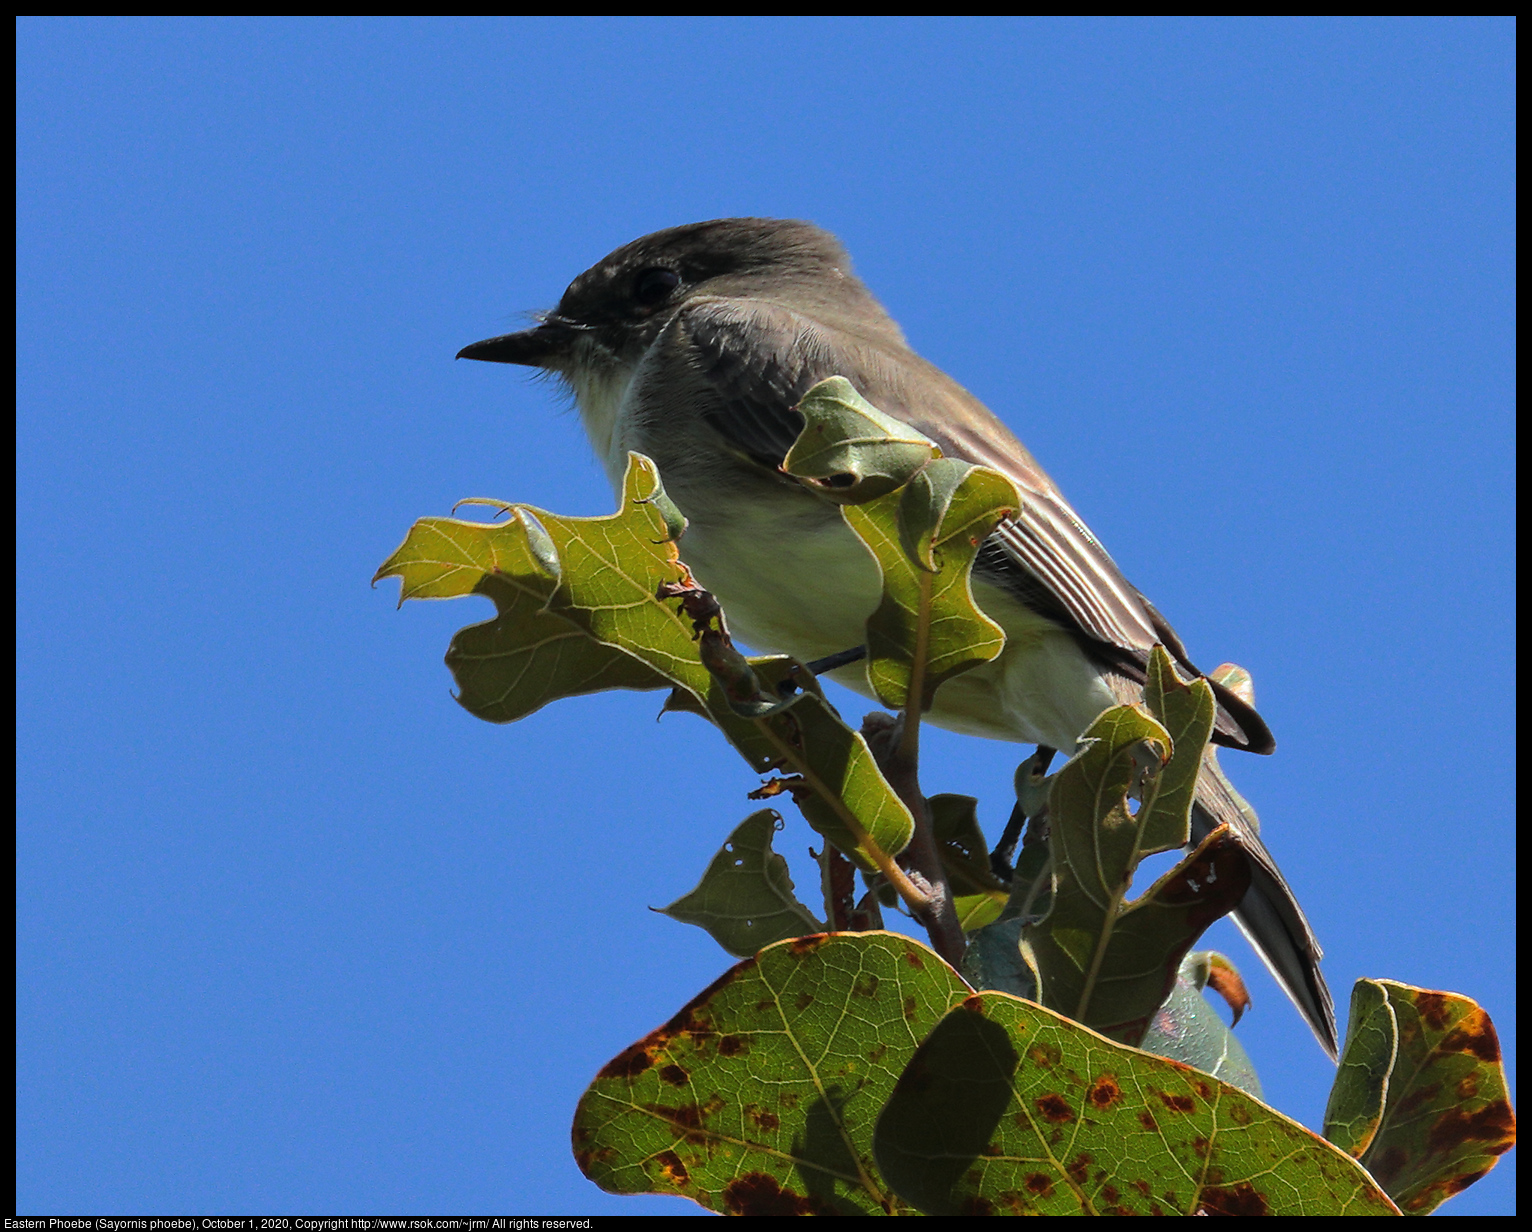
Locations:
1000 859
830 662
888 739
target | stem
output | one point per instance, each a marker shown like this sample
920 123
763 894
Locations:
900 766
1043 879
939 915
1001 861
1100 954
1145 806
839 876
906 889
826 883
901 769
909 741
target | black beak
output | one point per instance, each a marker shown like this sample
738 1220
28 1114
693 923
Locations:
544 346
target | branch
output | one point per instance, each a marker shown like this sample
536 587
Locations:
887 738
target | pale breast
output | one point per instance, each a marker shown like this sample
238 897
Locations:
794 579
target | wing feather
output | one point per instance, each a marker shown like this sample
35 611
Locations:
760 358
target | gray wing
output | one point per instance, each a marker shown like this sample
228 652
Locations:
1269 914
760 358
759 361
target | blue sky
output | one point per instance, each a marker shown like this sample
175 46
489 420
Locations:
295 932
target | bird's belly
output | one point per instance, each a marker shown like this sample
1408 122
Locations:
1041 689
803 584
797 584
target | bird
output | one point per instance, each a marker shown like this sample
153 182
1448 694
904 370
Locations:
694 345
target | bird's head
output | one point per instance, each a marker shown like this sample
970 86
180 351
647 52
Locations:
613 312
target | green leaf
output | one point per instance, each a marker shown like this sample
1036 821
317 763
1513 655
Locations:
579 611
759 1097
508 667
848 801
446 558
849 450
978 895
1094 834
577 607
1137 958
745 900
612 568
1420 1096
1187 1029
1102 960
925 537
1355 1110
1009 1109
1186 711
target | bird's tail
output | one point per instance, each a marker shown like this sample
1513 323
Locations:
1269 914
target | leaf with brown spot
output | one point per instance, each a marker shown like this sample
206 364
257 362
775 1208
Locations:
634 1059
776 1114
1242 1199
1106 1129
1224 979
1102 958
1103 1093
1420 1097
672 1167
1054 1108
757 1193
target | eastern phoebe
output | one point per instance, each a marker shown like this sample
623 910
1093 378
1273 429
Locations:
694 345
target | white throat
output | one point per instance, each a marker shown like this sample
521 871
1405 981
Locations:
599 389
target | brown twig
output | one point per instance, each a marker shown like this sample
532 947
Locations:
734 674
838 880
888 741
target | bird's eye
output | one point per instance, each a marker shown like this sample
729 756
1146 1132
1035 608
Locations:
654 285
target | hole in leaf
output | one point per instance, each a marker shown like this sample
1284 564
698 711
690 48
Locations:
1152 868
